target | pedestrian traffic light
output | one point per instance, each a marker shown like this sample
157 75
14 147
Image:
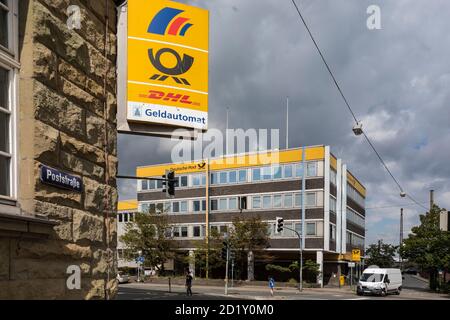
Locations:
280 223
169 183
224 250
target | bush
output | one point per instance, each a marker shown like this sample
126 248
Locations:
293 281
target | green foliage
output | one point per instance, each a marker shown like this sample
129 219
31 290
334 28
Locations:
215 252
381 254
428 246
277 268
148 234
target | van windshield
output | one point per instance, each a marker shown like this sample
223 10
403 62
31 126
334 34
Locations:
371 277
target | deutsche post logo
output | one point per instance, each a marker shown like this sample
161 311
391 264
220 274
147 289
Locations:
182 66
168 16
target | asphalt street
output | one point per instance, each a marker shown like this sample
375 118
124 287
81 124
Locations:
414 289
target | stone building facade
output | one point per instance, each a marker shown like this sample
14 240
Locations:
59 111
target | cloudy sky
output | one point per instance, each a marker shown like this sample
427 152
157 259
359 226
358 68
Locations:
397 80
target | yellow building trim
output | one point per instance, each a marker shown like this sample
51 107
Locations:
356 184
235 161
333 162
127 205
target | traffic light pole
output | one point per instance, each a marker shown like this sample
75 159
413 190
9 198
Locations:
226 270
302 238
300 271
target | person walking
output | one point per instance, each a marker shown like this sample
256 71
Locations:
188 283
271 285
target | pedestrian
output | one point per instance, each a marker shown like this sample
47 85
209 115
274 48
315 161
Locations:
271 285
188 283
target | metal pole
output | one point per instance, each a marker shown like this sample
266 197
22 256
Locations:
232 272
401 238
207 218
302 244
226 270
351 278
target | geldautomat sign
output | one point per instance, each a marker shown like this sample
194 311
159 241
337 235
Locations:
60 179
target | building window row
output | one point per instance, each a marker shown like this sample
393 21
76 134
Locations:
227 177
125 216
357 219
255 202
355 240
354 195
333 176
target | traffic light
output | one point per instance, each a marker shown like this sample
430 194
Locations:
224 250
232 255
280 223
169 183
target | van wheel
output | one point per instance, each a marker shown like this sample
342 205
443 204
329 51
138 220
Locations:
383 293
397 292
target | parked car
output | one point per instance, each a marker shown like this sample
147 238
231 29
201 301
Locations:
380 281
411 271
122 277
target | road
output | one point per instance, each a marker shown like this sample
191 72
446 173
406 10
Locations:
414 290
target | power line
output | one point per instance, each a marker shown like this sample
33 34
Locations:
394 206
414 200
348 105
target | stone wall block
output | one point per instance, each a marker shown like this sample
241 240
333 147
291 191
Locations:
82 150
46 143
87 227
82 167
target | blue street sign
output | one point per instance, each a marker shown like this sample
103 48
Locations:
140 259
60 179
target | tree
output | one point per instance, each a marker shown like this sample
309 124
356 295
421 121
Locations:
150 234
381 254
428 246
311 270
251 234
214 256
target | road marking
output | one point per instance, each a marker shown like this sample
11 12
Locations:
358 298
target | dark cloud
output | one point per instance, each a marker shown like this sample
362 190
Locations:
396 79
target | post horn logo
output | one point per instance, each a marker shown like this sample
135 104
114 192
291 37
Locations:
201 165
182 66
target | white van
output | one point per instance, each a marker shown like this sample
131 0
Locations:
380 281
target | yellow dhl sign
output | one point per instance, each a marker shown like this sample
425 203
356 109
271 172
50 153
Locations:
127 205
231 162
167 63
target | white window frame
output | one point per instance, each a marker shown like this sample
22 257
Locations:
9 60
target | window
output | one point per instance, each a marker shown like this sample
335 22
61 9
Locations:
159 184
223 229
256 174
183 206
176 207
333 204
311 169
267 202
333 176
223 177
125 217
196 205
256 202
196 180
277 172
203 205
203 177
131 216
214 229
311 199
232 177
223 204
8 72
298 200
298 170
267 173
288 200
120 217
144 185
242 175
159 207
214 204
277 201
184 232
151 208
298 228
232 204
287 171
311 229
214 178
145 208
196 231
332 232
183 181
176 231
167 206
